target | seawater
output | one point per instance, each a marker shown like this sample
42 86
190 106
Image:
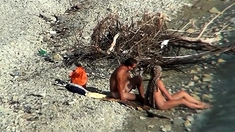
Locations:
221 117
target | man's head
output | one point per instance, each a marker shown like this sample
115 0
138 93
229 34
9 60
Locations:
130 63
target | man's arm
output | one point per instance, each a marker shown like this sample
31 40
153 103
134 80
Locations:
121 84
163 89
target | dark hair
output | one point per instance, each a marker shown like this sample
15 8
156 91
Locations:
77 64
130 62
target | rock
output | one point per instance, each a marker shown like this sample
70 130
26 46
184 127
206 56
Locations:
199 69
193 71
150 126
211 90
214 10
190 118
199 82
178 121
206 97
53 32
197 90
190 30
187 123
206 75
195 78
191 83
172 109
221 60
209 86
207 78
57 57
203 86
196 96
166 128
142 118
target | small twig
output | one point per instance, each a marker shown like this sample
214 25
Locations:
185 26
203 40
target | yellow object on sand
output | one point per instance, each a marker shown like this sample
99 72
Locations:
95 95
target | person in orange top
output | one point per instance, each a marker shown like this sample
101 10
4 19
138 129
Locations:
79 76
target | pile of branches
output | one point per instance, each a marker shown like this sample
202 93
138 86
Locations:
150 42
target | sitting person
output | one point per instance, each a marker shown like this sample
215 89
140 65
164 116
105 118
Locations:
121 82
163 100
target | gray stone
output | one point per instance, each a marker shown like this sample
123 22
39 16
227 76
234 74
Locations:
207 78
191 83
214 10
142 118
190 118
166 128
206 97
195 78
178 121
220 60
196 96
187 124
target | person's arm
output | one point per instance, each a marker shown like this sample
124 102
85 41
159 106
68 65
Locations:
163 89
121 84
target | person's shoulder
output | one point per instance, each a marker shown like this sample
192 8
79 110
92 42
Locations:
159 82
120 70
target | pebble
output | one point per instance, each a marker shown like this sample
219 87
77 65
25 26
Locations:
221 60
191 83
206 97
214 10
190 30
190 118
195 78
166 128
187 124
178 121
151 126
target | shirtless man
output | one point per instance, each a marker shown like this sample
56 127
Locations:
121 82
164 100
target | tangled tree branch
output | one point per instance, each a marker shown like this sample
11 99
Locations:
150 42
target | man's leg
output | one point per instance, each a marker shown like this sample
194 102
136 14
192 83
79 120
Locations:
127 96
137 81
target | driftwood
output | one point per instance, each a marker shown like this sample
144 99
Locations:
151 42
